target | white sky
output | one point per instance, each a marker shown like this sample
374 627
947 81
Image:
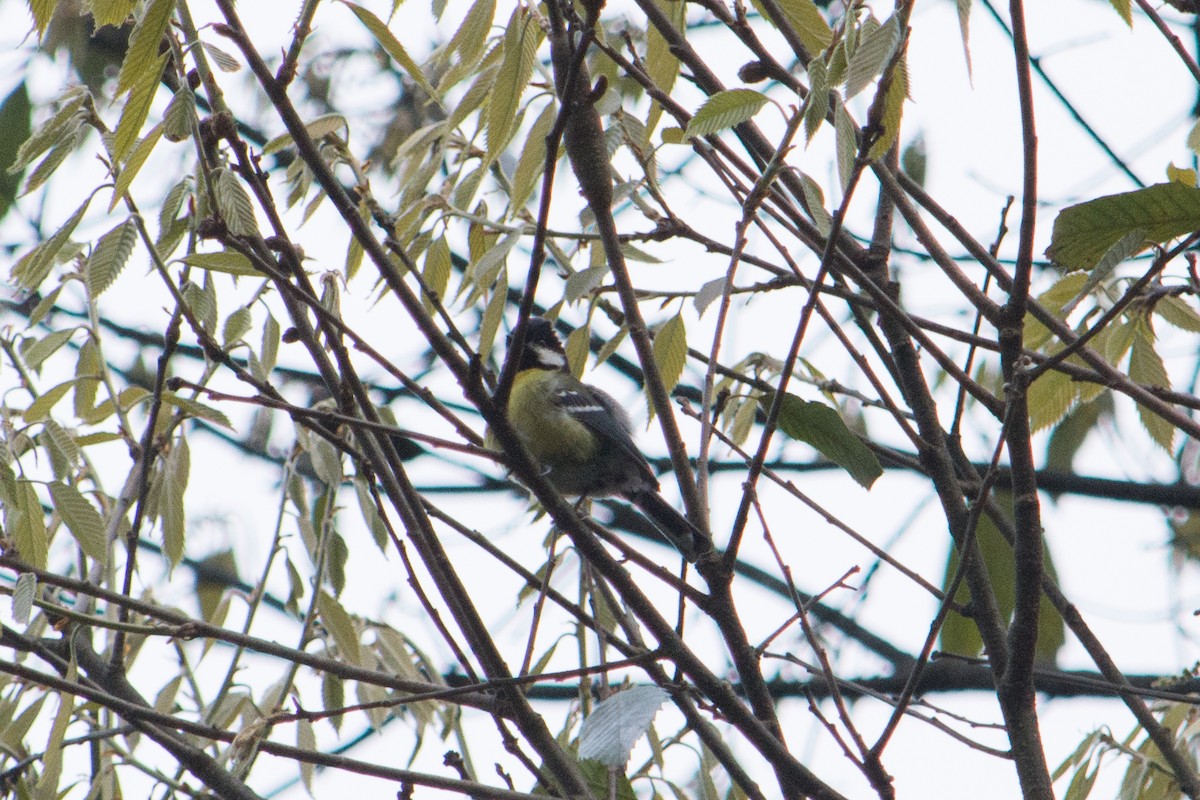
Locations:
1110 557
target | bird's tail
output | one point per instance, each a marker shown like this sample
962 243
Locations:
687 538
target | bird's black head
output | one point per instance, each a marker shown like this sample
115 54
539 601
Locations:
542 348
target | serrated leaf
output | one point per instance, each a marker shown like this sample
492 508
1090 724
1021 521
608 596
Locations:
236 326
1084 232
194 408
269 350
806 20
133 164
40 408
88 374
1114 256
1176 311
893 111
38 351
341 626
670 351
137 108
109 257
484 271
1146 367
522 38
234 204
128 398
816 107
229 262
471 37
875 49
173 491
616 724
24 592
26 524
391 45
532 161
177 120
318 129
822 427
65 123
846 139
144 43
439 265
34 266
224 61
82 520
1049 398
725 110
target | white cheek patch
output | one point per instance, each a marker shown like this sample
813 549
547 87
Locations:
549 358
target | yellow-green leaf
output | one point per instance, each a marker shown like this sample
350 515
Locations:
725 110
82 520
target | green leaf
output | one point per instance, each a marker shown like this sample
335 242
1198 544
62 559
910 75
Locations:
34 266
822 427
341 626
144 42
109 257
82 520
236 326
1176 311
133 164
370 514
40 408
65 123
391 45
961 635
439 266
806 19
1083 233
229 262
875 49
1146 367
234 204
1050 397
577 350
14 130
521 41
670 351
318 129
725 110
846 135
137 108
26 524
171 501
532 161
36 352
24 593
471 37
179 117
194 408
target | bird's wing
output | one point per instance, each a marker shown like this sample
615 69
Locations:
605 417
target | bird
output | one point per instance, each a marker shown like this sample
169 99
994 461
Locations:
582 438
